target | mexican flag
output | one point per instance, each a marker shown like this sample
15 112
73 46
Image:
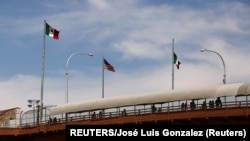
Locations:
52 32
176 61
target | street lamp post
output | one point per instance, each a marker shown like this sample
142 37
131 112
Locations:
34 104
224 75
66 74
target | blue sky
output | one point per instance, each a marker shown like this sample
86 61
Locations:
135 36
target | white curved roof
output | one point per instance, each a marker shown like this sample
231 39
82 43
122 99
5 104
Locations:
236 89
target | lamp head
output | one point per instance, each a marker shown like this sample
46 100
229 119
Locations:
29 101
202 50
37 101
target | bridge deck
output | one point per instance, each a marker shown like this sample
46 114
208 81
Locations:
217 116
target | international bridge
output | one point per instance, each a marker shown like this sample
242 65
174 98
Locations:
220 105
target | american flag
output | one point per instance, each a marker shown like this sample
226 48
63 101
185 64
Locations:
107 66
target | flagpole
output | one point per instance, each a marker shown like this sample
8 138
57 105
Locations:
42 72
103 77
173 64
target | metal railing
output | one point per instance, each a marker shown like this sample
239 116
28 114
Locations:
176 106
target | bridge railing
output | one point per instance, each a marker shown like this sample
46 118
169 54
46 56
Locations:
151 108
175 106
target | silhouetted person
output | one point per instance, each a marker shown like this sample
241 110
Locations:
218 102
54 120
50 120
124 112
100 114
211 104
182 106
93 116
204 105
192 105
153 109
185 107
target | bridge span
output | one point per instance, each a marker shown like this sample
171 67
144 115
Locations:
226 105
56 131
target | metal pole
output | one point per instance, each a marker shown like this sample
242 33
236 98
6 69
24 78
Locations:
20 119
224 66
173 64
43 66
33 112
102 77
66 74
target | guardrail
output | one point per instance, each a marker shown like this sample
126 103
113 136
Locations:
122 111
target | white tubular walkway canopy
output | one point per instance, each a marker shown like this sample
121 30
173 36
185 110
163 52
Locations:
237 89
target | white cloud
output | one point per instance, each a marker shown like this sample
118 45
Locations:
102 4
136 32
